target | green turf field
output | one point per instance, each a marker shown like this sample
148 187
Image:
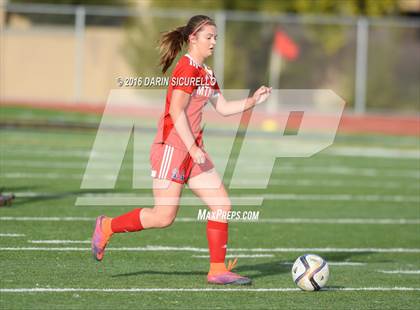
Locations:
360 212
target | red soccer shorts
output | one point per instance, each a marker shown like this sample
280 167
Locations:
174 164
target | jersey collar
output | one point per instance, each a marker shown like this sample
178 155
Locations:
192 60
209 71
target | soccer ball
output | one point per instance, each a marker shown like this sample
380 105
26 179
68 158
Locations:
310 272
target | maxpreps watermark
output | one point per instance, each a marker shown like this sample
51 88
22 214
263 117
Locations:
204 215
159 81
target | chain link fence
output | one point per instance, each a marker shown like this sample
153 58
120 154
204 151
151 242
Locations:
76 54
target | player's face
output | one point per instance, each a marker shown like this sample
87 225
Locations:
206 40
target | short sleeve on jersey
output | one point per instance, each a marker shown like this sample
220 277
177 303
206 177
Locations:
216 88
216 91
182 76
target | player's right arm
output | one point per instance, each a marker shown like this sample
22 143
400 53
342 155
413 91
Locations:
227 108
179 103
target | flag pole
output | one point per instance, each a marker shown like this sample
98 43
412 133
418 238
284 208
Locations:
273 80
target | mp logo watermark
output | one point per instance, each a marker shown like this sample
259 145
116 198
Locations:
243 147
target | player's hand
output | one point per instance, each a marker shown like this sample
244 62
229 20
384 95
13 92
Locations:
261 94
197 155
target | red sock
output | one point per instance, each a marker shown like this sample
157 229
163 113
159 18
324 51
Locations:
127 222
217 236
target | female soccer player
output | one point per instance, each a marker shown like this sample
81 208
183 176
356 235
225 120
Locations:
177 155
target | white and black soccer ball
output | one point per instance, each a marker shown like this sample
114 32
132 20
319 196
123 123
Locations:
310 272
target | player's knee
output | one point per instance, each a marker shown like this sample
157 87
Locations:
227 204
224 206
165 221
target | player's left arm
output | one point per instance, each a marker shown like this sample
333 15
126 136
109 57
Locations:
227 108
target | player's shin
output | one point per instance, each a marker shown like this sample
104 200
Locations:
128 222
217 236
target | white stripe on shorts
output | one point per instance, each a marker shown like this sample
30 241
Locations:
168 164
165 153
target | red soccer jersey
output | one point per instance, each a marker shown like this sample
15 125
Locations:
200 83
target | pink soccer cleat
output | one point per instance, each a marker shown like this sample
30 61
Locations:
229 277
99 239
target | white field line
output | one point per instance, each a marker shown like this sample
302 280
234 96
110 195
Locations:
71 153
361 221
343 197
285 196
112 198
379 152
344 221
333 168
167 289
324 221
273 181
238 256
294 171
60 164
335 183
85 151
66 176
11 235
334 263
157 248
285 263
256 200
372 152
58 241
131 200
81 164
400 271
46 218
367 172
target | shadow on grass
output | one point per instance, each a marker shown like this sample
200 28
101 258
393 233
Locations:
344 257
161 273
277 267
21 201
264 269
255 271
13 189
